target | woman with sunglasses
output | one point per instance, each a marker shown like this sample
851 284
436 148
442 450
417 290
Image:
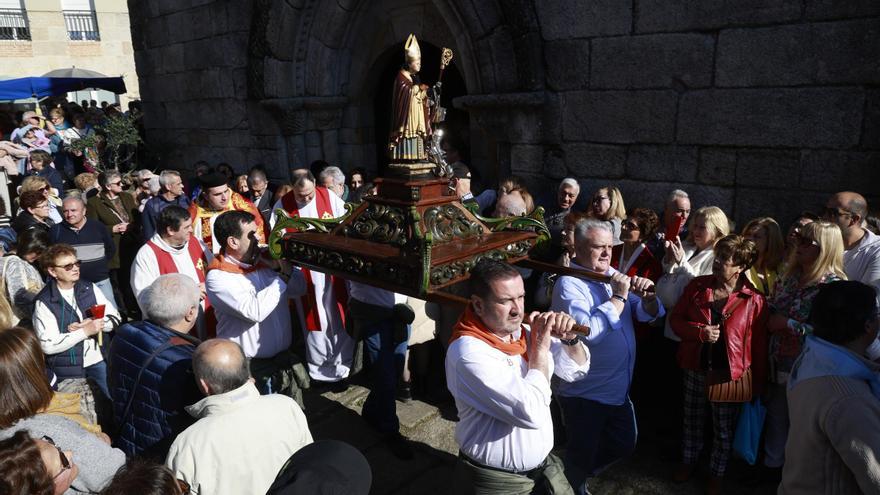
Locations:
816 260
65 319
35 466
25 398
607 205
34 214
36 183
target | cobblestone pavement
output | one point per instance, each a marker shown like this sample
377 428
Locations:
337 416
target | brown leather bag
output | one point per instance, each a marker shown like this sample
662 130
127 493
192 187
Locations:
720 388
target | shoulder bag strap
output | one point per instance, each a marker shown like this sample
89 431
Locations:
165 345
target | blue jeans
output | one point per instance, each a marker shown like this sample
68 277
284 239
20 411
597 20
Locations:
386 359
98 373
598 436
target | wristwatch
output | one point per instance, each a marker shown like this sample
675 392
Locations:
573 341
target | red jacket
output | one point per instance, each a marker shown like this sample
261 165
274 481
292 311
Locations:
745 329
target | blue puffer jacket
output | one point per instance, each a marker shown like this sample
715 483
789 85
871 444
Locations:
156 414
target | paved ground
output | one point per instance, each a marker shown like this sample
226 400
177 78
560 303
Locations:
337 416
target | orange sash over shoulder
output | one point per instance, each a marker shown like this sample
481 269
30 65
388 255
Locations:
470 325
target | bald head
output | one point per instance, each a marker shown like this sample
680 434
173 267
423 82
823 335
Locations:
853 202
848 210
220 366
510 205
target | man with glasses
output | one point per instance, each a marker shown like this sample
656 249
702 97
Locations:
861 255
66 320
92 241
171 193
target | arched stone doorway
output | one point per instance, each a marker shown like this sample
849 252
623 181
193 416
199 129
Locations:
316 68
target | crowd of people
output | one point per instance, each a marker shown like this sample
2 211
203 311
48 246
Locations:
142 321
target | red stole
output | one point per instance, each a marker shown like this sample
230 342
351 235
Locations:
200 262
166 262
469 324
310 301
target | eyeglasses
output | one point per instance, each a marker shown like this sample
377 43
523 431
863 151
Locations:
834 213
631 226
43 189
65 462
69 266
42 205
599 199
117 183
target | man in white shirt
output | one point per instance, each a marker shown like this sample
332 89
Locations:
599 418
173 249
861 256
329 349
499 374
242 439
250 303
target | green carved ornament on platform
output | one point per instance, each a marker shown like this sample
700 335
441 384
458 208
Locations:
285 222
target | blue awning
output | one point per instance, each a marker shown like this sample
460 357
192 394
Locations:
40 87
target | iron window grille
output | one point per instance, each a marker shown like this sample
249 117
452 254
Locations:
82 25
14 25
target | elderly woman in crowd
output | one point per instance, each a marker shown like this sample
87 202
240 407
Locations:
25 397
64 321
720 319
118 210
607 205
767 236
692 258
817 260
141 187
35 466
34 214
36 183
19 278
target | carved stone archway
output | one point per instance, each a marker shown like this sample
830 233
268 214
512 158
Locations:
309 62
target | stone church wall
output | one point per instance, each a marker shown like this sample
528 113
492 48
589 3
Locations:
756 106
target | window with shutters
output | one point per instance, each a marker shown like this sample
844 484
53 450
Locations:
80 19
13 21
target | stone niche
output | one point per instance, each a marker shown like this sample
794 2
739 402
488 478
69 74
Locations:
759 108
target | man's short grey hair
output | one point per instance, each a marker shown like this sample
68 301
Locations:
75 196
169 298
143 174
582 228
335 173
568 181
675 194
166 175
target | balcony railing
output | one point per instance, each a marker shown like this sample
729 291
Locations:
82 25
14 25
